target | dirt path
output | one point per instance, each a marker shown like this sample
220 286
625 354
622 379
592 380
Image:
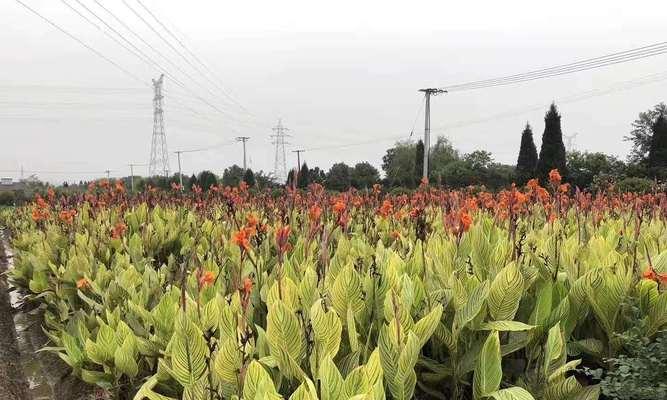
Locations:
13 385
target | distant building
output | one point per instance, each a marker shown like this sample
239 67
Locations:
10 184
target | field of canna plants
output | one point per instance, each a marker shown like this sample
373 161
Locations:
235 294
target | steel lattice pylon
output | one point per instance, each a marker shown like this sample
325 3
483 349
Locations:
280 165
159 161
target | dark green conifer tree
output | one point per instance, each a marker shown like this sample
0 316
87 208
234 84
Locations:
419 161
304 177
552 152
249 177
527 161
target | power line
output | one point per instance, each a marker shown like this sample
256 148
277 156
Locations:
84 44
617 87
192 54
141 55
215 146
563 69
150 26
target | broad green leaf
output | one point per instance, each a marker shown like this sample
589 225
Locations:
505 293
488 372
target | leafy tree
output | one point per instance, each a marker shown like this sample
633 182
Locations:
339 177
249 177
552 152
398 164
657 155
264 180
527 161
364 175
642 133
232 176
478 159
442 154
206 179
584 167
458 174
304 177
316 175
419 161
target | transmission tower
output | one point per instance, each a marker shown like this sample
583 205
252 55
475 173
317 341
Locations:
570 141
280 165
159 162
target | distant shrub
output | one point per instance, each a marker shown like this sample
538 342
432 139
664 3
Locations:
637 185
7 198
400 190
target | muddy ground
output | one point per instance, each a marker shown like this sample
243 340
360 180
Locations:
13 385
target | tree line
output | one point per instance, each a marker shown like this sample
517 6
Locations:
402 165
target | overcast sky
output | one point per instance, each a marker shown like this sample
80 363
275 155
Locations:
337 73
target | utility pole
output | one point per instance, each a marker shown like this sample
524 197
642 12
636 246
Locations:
243 139
180 172
427 124
298 165
131 178
132 165
108 171
159 160
298 158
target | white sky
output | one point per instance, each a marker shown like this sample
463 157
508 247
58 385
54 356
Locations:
335 72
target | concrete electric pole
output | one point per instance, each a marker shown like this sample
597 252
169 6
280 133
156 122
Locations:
243 139
427 124
180 172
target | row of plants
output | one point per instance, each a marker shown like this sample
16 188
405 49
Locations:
438 294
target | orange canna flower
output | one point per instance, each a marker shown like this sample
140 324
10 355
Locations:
395 235
243 186
554 177
251 220
282 238
520 197
82 283
650 274
67 216
466 221
240 238
552 218
175 187
386 209
40 214
533 184
247 285
314 213
339 207
206 279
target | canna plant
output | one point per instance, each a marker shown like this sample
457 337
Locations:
233 295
